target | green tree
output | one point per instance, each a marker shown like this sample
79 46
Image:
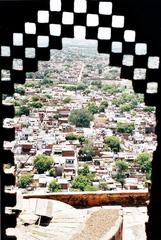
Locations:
16 103
43 163
127 107
47 96
82 139
57 116
92 108
103 186
112 88
71 136
90 188
20 90
70 87
101 108
46 81
149 109
54 186
81 182
23 110
35 99
25 125
67 100
126 98
87 151
31 84
134 102
106 148
24 180
97 83
144 161
113 143
121 170
85 170
113 73
81 86
103 105
80 118
125 127
52 172
36 104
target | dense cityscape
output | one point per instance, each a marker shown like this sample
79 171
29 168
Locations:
79 147
79 127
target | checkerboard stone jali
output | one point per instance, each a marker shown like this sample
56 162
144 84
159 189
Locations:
128 30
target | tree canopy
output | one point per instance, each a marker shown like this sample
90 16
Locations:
23 110
97 83
81 86
83 181
127 107
71 136
80 118
92 108
112 88
43 163
144 161
84 171
149 109
121 170
24 180
103 105
113 143
20 90
46 81
35 98
35 104
127 98
82 139
67 100
54 186
87 151
125 127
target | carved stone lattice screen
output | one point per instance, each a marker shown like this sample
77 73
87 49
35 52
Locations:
131 25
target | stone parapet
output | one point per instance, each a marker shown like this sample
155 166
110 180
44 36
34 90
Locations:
90 199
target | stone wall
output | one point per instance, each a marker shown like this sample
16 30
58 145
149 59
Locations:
90 199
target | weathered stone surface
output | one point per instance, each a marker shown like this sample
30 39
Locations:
134 223
90 199
102 224
28 218
66 223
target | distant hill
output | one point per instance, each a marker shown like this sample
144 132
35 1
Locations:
79 43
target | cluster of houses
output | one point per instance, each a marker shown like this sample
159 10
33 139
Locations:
44 130
73 64
43 133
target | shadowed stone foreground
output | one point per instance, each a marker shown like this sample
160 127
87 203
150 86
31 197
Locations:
134 223
66 222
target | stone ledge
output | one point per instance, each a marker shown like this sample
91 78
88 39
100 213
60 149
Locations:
90 199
